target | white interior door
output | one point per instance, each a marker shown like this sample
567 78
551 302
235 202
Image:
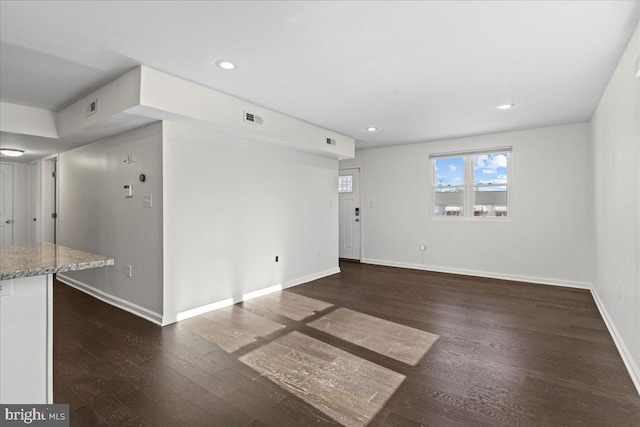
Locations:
350 215
6 204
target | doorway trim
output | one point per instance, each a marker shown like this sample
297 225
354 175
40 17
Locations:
48 192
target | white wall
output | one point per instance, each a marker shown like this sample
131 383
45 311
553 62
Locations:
615 134
113 98
95 216
232 205
28 120
166 97
546 239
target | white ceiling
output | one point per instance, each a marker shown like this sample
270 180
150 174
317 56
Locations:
419 71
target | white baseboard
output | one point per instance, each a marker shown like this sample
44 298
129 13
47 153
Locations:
196 311
310 277
487 274
624 351
113 300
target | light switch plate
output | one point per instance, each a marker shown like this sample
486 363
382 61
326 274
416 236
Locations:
147 201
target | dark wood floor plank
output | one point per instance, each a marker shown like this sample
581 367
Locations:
145 405
507 354
263 411
107 406
304 414
84 417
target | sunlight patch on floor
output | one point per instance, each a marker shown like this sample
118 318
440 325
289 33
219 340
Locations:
232 328
347 388
288 304
400 342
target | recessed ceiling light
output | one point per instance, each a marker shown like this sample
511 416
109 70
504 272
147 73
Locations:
505 106
372 129
225 65
11 152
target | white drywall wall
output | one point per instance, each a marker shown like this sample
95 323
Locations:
615 134
547 237
112 99
28 120
231 205
167 97
95 216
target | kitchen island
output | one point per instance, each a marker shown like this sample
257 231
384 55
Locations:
26 316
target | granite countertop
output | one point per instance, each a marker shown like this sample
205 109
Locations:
34 259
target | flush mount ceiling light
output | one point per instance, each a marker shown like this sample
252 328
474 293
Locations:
372 129
505 106
225 65
11 152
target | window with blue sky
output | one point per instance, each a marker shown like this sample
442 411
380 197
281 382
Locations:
490 168
449 171
473 184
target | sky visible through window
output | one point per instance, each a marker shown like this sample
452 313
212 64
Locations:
487 169
490 168
450 171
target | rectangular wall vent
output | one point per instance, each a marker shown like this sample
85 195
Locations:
252 118
331 141
92 107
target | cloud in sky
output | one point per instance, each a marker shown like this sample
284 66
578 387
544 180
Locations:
490 161
481 161
490 168
448 169
501 179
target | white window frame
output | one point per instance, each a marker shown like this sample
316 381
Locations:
468 187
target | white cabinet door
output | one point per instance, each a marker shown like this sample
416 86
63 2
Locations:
26 343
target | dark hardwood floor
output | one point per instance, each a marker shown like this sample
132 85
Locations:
399 348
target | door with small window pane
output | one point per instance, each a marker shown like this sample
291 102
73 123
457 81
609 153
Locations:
350 215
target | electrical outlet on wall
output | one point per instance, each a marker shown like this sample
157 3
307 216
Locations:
423 246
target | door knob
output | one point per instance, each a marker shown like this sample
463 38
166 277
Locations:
357 219
9 221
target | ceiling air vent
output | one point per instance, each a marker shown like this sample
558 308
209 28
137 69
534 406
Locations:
252 118
331 141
